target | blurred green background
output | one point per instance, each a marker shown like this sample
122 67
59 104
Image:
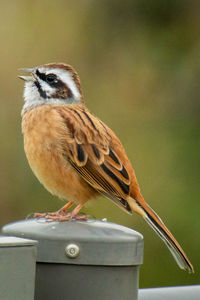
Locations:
139 62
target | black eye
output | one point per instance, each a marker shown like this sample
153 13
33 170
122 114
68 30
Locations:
51 78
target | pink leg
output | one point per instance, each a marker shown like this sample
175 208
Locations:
74 213
62 216
61 211
66 207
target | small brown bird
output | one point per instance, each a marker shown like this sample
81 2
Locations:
75 155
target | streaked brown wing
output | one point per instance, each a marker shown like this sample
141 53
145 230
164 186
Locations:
89 151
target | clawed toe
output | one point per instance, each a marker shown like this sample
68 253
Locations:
57 217
66 217
60 216
39 215
79 217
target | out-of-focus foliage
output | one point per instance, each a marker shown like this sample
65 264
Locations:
140 69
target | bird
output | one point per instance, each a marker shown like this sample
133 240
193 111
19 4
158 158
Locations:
76 156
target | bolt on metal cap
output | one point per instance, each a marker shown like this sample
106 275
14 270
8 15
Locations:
72 250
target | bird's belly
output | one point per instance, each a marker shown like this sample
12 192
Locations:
56 174
44 136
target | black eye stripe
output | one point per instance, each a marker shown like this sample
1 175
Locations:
41 75
51 78
54 83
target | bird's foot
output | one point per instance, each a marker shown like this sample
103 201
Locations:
59 216
62 214
67 217
56 214
45 215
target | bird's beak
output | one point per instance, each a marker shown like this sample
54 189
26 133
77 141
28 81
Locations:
27 78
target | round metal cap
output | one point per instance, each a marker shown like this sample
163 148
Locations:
91 242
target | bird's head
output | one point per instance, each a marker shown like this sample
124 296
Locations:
56 84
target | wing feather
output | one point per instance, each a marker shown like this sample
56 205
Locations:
90 152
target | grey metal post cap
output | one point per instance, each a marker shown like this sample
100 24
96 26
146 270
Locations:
95 242
17 271
12 241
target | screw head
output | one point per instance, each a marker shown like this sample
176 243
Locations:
104 220
72 250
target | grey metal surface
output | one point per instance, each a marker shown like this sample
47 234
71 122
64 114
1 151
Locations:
17 268
93 260
191 292
100 243
12 241
73 282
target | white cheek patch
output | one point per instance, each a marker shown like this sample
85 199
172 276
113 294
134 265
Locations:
46 87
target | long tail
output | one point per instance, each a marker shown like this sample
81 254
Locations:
142 208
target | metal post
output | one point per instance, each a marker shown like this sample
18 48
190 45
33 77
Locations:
83 260
188 292
17 268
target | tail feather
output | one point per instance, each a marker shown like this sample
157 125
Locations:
159 227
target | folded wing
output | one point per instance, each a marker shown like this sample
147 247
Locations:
88 148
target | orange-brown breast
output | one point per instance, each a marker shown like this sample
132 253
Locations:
43 131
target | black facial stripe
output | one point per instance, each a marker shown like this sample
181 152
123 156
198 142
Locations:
58 84
41 92
41 75
51 78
